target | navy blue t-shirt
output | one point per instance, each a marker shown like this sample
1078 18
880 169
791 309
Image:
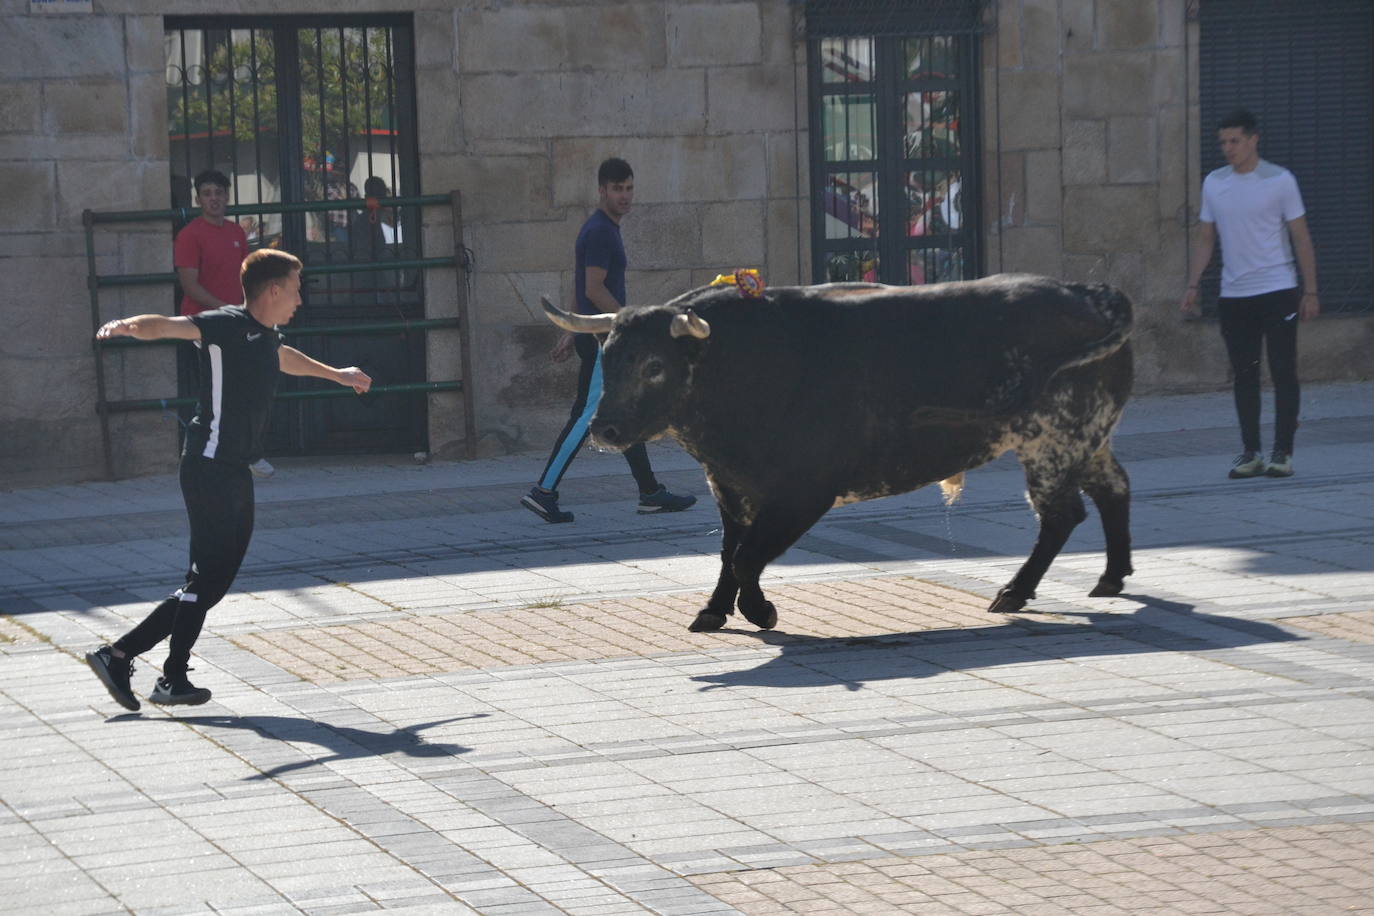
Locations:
599 245
239 368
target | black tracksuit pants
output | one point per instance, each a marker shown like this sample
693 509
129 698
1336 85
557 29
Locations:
1249 325
219 504
575 431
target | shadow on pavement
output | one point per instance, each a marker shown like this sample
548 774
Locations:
343 742
1158 626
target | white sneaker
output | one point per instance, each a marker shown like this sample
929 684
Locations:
261 468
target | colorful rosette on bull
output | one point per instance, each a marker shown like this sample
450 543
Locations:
749 281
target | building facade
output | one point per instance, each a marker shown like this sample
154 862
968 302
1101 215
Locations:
825 139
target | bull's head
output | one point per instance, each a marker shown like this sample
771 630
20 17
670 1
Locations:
646 368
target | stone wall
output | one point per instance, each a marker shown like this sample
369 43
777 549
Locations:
698 97
81 126
1091 147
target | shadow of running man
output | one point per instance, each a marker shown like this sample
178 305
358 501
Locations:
341 741
853 662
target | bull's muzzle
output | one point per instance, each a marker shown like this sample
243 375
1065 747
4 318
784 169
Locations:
608 435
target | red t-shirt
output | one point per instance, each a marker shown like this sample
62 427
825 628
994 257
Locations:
218 253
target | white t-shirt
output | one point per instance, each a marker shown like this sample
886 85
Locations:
1251 211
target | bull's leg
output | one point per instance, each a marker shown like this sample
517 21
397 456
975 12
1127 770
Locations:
722 603
1059 507
1106 483
773 530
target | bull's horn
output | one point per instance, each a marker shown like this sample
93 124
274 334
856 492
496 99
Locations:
578 324
689 324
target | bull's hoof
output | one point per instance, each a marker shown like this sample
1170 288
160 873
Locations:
1008 602
1107 588
765 617
1111 582
706 622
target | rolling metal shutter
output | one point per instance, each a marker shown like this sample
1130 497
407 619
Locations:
1306 70
832 18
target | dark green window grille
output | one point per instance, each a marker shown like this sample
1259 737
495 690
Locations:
894 141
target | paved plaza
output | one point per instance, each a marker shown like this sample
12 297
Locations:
427 700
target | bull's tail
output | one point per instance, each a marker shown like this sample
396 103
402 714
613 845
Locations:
1113 310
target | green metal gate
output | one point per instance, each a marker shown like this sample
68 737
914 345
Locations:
329 339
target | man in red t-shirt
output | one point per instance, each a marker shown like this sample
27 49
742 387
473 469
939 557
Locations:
210 250
208 255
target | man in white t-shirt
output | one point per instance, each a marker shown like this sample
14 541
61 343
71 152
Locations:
1256 209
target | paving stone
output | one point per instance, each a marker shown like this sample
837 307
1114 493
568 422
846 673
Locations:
476 707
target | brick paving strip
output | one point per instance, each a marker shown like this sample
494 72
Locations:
1356 626
1318 870
882 606
654 625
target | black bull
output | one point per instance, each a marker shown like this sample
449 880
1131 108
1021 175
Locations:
811 397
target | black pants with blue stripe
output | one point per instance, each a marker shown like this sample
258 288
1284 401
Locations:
219 505
575 432
1252 324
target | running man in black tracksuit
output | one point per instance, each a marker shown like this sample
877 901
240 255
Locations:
241 356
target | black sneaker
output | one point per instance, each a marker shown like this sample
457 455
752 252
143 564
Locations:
181 693
114 673
544 503
1249 464
662 501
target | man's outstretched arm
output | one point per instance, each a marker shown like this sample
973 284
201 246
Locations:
294 362
150 327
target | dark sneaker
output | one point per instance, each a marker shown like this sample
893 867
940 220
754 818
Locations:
1280 465
114 673
1249 464
662 501
181 693
544 503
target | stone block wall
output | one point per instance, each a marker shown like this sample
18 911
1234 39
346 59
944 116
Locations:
699 97
81 126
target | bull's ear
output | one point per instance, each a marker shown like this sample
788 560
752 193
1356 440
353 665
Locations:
690 324
577 324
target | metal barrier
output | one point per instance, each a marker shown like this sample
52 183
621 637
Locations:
458 261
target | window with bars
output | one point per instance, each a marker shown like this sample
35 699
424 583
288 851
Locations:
893 154
300 109
297 110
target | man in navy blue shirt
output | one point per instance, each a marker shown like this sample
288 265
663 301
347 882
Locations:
241 357
600 287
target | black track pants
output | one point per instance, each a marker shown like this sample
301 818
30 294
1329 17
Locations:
219 504
1265 322
575 431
